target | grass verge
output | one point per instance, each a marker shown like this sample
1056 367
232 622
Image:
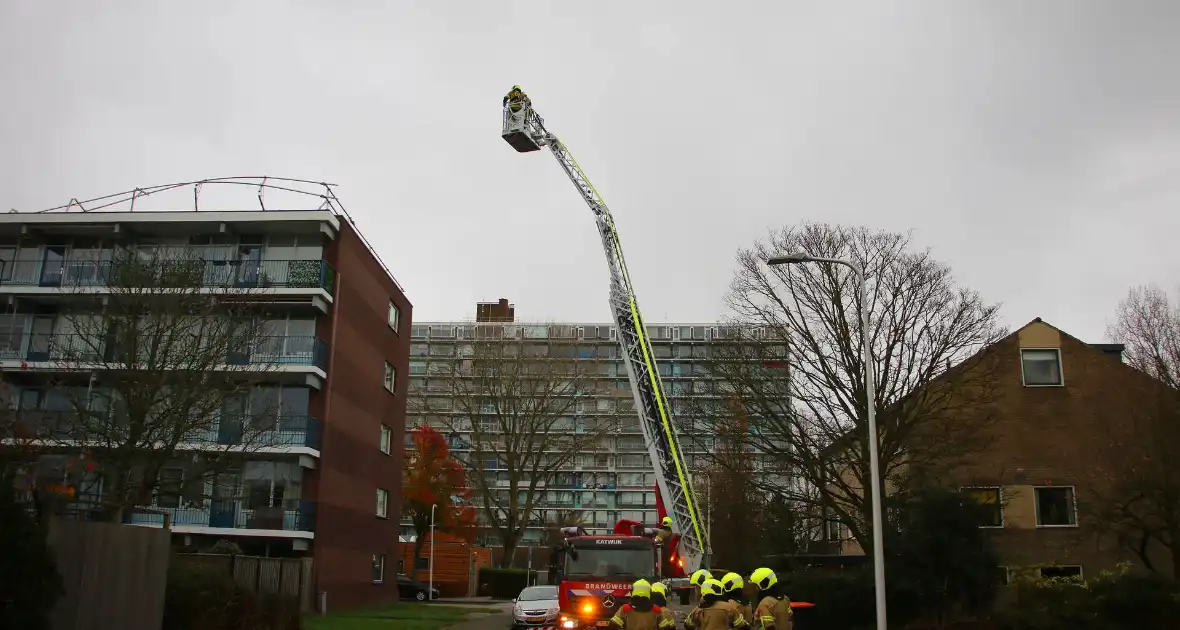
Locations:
400 616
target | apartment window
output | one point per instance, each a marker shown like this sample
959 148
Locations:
170 487
378 568
390 377
1041 367
386 438
1064 571
394 316
991 512
382 502
1002 577
1055 507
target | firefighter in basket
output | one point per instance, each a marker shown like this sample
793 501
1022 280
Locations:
516 99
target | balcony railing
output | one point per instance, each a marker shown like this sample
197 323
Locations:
260 351
249 432
235 514
229 274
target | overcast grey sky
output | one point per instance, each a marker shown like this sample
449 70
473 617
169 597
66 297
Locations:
1034 145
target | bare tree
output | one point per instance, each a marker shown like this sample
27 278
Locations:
156 370
813 422
518 398
1137 477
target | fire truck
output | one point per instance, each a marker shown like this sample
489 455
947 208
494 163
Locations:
595 573
686 551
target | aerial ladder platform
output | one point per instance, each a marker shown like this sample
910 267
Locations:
525 131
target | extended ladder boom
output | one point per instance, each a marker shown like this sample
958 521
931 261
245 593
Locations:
526 132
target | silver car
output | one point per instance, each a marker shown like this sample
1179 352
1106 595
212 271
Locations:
535 607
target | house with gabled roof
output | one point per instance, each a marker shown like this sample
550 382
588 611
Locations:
1058 403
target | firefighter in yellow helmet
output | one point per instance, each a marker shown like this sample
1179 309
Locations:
515 99
659 599
665 530
774 609
735 588
640 613
698 579
714 612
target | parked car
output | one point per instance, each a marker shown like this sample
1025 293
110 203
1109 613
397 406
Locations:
536 606
409 588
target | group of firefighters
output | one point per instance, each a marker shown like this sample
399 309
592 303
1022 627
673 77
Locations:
722 604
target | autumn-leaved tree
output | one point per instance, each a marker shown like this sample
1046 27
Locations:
1137 483
160 368
517 399
812 422
434 485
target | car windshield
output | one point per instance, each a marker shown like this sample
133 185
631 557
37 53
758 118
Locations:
538 593
617 562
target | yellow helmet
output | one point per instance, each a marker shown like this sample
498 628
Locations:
641 588
732 582
666 521
660 588
516 87
699 576
763 578
711 587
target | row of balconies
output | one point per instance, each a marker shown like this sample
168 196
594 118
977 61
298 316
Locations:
250 432
228 274
260 351
295 516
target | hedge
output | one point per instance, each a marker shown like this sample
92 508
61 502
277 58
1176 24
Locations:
502 583
1117 600
204 597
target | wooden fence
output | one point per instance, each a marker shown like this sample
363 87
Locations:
285 577
114 575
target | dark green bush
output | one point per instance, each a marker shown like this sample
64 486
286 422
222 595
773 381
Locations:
502 583
29 583
844 598
205 597
1112 601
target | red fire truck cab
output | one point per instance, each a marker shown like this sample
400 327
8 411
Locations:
595 573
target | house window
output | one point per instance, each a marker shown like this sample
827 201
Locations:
386 438
1002 577
394 316
1065 571
390 377
1041 367
382 502
1055 507
378 568
991 511
833 530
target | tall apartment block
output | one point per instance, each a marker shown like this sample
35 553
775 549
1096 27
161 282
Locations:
615 480
328 484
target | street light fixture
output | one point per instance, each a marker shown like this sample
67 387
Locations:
870 402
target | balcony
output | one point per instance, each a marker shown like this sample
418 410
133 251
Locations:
225 274
264 351
251 433
294 516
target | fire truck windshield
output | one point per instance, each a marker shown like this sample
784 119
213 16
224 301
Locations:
619 562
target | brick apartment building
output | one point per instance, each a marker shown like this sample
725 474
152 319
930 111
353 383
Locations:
331 486
1056 395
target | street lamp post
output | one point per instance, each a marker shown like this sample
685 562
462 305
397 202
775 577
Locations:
870 403
430 589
